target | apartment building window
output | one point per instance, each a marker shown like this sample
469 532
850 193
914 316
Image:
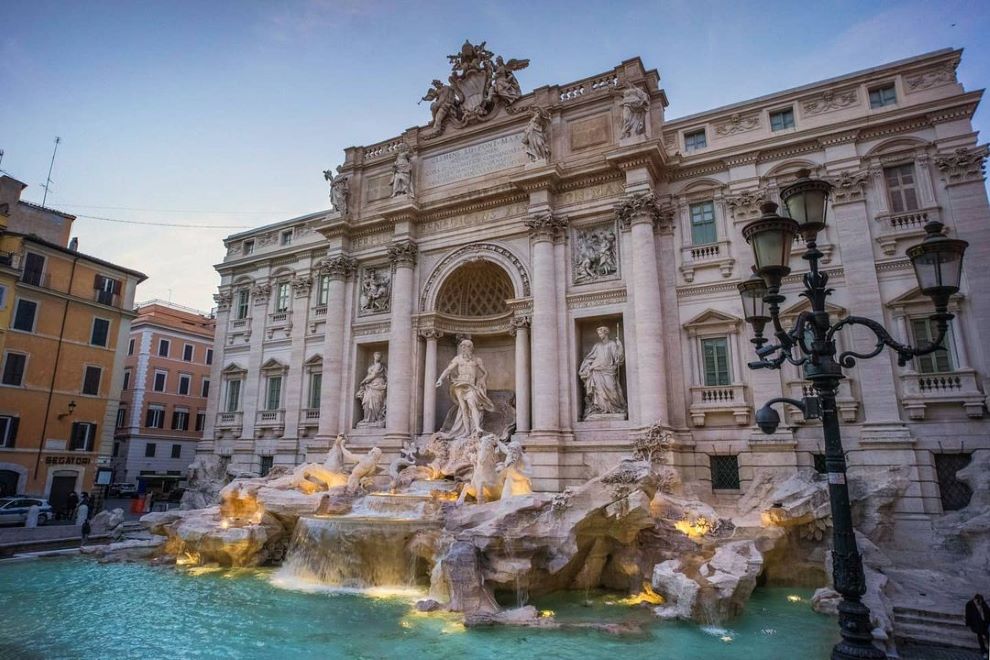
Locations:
121 417
187 353
901 188
695 140
163 346
200 421
955 494
185 382
243 298
715 355
106 288
204 391
782 119
703 223
34 268
209 356
14 365
273 393
323 290
130 347
234 396
176 451
287 237
3 297
160 378
100 333
266 465
925 332
180 421
83 436
315 385
24 315
8 430
150 450
725 472
883 96
155 419
116 449
127 378
818 460
282 297
247 247
91 381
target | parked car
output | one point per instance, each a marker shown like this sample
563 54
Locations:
123 490
14 510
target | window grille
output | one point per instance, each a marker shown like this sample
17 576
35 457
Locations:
955 494
725 472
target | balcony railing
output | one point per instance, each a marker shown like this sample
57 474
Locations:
947 388
900 226
727 399
845 402
270 418
707 255
281 320
229 419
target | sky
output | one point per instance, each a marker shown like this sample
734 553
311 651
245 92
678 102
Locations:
222 115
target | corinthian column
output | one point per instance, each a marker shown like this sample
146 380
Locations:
400 340
429 380
546 387
640 214
339 268
520 329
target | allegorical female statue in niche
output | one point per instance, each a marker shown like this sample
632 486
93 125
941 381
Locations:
371 392
600 373
468 389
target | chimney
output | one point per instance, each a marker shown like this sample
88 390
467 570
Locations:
74 244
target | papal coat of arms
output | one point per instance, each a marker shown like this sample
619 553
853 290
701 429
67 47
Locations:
479 85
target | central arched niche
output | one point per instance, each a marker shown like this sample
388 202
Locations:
477 289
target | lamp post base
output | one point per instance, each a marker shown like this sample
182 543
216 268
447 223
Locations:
857 635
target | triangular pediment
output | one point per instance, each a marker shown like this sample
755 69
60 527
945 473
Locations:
914 298
314 361
274 365
233 369
713 320
804 305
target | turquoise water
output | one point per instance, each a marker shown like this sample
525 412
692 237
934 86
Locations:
75 608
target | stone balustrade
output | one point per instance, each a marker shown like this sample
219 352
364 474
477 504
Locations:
590 85
845 401
703 256
729 399
232 421
918 391
895 227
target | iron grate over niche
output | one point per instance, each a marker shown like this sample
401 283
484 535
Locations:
819 460
725 472
955 494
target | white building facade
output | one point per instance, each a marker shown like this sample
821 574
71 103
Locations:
624 220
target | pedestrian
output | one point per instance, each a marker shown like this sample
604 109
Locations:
978 620
84 499
86 529
71 502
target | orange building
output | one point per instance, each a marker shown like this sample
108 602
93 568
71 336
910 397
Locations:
165 388
65 322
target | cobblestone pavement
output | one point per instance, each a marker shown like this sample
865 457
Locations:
920 652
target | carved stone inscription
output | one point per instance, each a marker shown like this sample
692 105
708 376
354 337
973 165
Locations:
378 187
476 160
589 132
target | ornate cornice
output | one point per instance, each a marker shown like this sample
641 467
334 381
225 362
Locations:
517 323
596 298
546 226
338 267
403 254
746 205
302 284
848 186
261 293
222 299
964 165
644 208
829 101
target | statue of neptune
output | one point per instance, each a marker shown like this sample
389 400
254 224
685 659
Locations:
468 389
600 373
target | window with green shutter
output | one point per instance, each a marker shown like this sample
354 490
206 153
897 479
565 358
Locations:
924 332
703 223
715 355
901 188
234 396
315 385
274 394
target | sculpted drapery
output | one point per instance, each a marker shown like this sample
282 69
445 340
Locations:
600 373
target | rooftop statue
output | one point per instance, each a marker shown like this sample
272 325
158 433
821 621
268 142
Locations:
339 190
635 103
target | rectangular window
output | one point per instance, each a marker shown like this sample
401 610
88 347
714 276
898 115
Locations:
8 430
248 247
106 288
725 472
83 436
266 465
287 237
315 385
116 449
901 188
185 382
955 494
205 389
282 297
209 356
882 96
200 421
323 292
782 119
695 140
187 353
3 297
121 417
130 347
703 223
925 331
160 378
234 396
155 419
819 463
13 369
34 268
163 346
176 451
100 333
149 450
243 297
180 420
273 393
24 315
91 381
127 378
715 353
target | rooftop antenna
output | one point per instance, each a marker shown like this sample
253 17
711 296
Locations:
48 182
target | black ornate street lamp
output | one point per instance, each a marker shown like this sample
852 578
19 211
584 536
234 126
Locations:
810 344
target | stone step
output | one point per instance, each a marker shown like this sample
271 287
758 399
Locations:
935 634
948 624
929 614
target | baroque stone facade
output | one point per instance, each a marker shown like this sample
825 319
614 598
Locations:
625 221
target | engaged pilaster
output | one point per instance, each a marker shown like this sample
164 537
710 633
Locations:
403 255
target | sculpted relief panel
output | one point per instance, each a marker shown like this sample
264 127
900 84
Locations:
595 254
376 291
